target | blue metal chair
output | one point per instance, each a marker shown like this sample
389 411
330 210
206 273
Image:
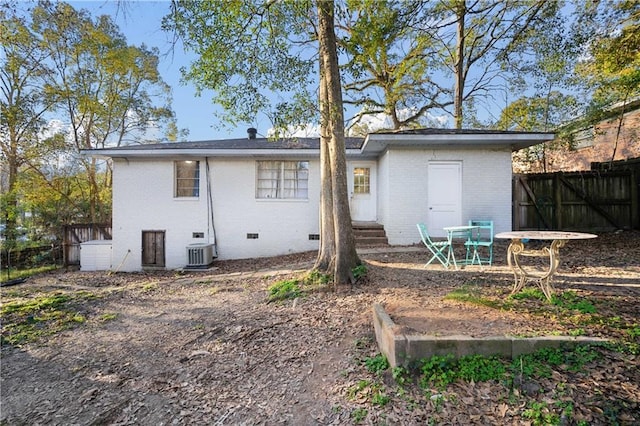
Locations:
437 248
483 237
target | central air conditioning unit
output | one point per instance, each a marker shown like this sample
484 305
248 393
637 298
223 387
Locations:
200 255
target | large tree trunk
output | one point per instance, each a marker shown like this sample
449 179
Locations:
459 65
327 252
346 257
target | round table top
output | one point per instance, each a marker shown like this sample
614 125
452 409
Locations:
545 235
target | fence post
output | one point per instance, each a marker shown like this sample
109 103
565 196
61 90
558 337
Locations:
557 200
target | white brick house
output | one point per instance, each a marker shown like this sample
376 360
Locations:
255 197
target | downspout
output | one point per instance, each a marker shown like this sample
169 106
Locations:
211 229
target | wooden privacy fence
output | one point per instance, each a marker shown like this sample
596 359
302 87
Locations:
594 201
80 233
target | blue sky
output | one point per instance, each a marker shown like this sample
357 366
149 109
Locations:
141 24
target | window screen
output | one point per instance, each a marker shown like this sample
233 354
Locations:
282 179
187 175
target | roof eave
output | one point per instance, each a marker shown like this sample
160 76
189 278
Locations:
516 141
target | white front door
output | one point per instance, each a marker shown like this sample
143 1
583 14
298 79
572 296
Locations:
444 196
361 179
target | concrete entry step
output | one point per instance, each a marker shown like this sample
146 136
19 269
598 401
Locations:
369 233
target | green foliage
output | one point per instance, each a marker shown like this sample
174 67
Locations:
536 364
539 363
24 273
27 320
570 300
283 290
359 271
108 316
377 364
529 293
296 287
478 368
359 414
380 399
60 62
540 414
246 56
316 277
438 371
400 375
633 331
471 294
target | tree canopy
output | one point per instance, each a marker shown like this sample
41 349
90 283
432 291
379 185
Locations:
70 82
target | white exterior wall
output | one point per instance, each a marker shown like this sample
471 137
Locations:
383 185
283 226
486 189
143 201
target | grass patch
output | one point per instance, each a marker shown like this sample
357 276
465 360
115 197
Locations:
283 290
15 274
297 287
472 294
569 300
26 321
107 316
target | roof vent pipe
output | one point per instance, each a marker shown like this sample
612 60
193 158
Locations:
252 132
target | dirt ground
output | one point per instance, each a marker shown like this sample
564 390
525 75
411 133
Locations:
205 347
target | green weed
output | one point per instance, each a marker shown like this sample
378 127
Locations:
107 317
317 278
358 415
380 399
377 364
529 293
24 273
149 287
633 331
438 371
400 375
571 301
359 271
540 414
283 290
27 320
472 294
478 368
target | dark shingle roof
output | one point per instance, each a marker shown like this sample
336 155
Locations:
242 144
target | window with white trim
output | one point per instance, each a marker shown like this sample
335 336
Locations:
282 180
187 179
362 180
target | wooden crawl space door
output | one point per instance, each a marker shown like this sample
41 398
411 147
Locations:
153 248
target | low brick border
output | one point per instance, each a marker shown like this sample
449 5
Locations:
402 349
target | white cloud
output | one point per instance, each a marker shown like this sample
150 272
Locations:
368 123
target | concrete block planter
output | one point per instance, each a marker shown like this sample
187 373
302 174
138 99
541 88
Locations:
401 349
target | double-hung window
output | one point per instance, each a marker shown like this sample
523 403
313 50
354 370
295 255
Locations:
187 179
282 180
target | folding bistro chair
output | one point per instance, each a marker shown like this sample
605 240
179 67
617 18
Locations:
483 237
437 248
